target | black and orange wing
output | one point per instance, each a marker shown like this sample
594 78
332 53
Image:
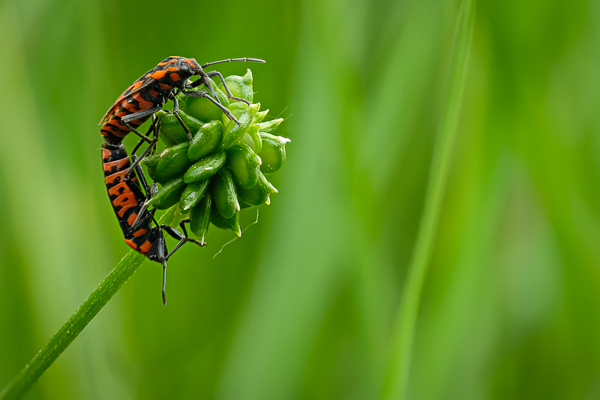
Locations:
135 87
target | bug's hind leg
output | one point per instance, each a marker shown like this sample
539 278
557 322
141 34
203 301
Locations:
182 237
163 256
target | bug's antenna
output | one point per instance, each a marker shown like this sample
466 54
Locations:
258 60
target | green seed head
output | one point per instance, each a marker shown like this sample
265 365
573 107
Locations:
221 171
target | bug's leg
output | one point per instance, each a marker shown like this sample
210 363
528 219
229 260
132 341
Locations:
156 131
164 285
229 95
207 83
163 254
152 129
140 173
204 81
143 219
162 249
195 93
142 114
183 238
204 75
161 257
143 215
176 112
150 191
136 160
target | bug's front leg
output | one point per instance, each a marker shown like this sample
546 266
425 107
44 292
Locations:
176 112
229 94
197 93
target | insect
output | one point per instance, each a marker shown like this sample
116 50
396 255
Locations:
137 103
150 92
127 200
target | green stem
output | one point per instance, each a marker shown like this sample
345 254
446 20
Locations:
78 321
396 380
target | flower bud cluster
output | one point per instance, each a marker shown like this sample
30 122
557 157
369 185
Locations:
223 168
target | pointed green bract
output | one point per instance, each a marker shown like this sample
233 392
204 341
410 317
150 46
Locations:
259 194
234 132
270 126
232 223
252 138
200 217
272 153
243 164
225 194
260 116
192 194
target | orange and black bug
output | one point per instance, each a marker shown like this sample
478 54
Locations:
137 103
127 199
150 92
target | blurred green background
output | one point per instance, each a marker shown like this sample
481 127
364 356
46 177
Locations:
303 305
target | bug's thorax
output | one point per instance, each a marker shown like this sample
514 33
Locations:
174 72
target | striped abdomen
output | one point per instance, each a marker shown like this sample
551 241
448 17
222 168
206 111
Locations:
126 198
140 101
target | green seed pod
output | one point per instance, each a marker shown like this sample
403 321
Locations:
173 161
259 194
224 194
205 168
192 195
151 162
168 142
260 116
200 217
171 128
234 132
232 223
240 86
206 141
201 108
168 195
270 126
243 164
272 153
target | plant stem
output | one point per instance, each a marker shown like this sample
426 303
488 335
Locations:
396 380
77 322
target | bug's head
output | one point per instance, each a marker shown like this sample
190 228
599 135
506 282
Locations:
188 67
